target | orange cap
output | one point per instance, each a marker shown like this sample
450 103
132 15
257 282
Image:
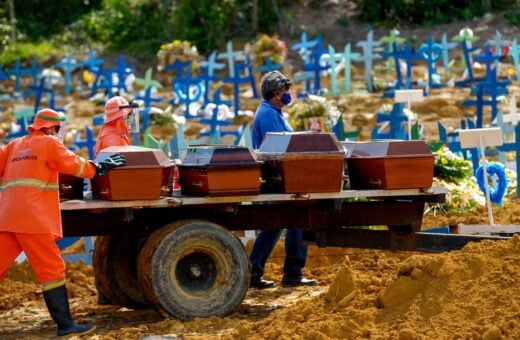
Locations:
46 118
112 110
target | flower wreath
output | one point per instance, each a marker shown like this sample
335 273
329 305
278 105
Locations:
496 195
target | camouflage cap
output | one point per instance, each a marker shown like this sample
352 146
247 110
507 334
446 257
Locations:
272 82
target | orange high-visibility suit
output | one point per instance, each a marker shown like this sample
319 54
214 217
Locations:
29 203
114 133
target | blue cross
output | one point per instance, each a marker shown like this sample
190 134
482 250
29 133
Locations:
368 56
498 43
17 71
182 88
122 70
348 56
3 76
207 79
230 55
92 63
236 81
39 91
103 81
431 52
332 59
315 66
214 122
68 65
211 64
268 65
148 100
89 142
305 46
446 47
397 122
515 54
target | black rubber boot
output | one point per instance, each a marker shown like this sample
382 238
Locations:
58 306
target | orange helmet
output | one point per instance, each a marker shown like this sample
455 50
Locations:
46 118
113 108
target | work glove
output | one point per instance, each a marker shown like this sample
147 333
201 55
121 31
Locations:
113 161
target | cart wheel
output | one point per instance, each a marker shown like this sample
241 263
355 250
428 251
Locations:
193 269
115 270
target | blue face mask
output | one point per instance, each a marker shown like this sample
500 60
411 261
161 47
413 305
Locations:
286 98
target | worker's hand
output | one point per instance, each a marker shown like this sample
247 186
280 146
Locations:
112 161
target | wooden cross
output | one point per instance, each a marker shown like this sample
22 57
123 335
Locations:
68 64
230 55
368 56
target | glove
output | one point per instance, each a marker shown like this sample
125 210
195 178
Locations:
113 161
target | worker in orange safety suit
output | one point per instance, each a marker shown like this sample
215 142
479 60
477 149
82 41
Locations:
116 129
30 211
114 132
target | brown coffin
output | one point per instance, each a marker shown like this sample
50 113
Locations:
71 187
218 170
299 162
146 175
389 165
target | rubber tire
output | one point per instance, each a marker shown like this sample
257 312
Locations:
115 270
219 261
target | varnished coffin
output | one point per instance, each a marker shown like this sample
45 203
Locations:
389 165
146 175
301 162
219 170
70 187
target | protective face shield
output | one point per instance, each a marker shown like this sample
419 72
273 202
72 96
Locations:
61 130
132 118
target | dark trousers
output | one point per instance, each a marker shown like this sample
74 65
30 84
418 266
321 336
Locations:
295 252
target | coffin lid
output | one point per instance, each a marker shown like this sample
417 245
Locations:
386 148
300 142
217 155
137 156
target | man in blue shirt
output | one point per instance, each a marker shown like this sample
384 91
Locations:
269 118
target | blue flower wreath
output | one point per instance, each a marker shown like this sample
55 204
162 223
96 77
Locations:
496 195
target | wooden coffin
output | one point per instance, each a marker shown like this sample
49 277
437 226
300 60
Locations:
389 165
71 187
217 170
146 175
301 162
